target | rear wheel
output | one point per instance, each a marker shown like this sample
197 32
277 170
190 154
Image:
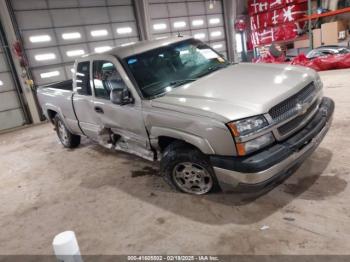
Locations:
67 139
188 170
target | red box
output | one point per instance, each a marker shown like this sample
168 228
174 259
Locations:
258 6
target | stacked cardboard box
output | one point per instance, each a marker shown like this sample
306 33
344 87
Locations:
328 34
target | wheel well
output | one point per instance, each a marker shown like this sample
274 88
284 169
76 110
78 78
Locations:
51 114
164 141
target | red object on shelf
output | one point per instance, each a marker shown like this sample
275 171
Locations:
278 33
276 4
290 31
240 24
278 23
258 6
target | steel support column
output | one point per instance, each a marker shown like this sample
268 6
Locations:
143 18
229 8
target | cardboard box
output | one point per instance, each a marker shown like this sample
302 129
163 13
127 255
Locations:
317 37
304 43
330 32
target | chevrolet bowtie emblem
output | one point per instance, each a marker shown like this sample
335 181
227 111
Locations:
301 108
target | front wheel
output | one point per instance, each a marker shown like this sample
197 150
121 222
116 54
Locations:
188 170
67 139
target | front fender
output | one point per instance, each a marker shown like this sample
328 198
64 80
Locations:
199 142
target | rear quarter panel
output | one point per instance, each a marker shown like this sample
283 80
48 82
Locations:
59 101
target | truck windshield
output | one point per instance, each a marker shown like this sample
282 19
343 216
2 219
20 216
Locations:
160 70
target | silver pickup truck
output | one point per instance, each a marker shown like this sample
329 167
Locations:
211 124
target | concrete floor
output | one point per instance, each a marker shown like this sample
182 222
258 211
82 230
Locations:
117 203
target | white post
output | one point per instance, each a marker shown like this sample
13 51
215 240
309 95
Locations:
66 247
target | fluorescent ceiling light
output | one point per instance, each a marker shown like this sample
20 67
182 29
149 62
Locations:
97 33
101 49
159 26
75 52
1 83
179 24
39 38
199 36
126 44
217 46
216 33
72 70
197 22
49 74
73 35
43 57
124 30
214 21
161 37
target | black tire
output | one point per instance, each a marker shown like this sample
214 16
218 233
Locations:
67 139
176 154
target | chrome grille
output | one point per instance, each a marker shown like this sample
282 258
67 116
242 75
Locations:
296 122
282 110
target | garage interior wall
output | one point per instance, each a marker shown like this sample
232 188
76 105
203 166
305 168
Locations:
201 19
11 109
55 32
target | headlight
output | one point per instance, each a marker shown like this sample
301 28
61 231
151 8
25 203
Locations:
247 126
254 144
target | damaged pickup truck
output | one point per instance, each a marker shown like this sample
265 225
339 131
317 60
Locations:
211 124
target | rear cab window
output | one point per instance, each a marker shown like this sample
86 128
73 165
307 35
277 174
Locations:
83 78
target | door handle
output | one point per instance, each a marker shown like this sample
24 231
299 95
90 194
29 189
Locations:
99 110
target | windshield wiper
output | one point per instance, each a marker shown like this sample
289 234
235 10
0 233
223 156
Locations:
217 67
179 82
172 83
212 69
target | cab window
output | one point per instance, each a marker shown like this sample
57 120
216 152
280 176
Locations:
105 78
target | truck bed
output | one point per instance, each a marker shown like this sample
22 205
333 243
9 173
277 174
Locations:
64 85
57 98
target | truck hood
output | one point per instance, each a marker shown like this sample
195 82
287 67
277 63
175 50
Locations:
237 91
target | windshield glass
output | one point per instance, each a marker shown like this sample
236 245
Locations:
160 70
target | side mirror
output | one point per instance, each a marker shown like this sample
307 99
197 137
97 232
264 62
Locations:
121 96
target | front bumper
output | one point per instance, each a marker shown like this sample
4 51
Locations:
277 161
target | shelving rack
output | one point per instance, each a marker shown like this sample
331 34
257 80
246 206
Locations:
309 17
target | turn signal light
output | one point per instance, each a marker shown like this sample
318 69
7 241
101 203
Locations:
240 149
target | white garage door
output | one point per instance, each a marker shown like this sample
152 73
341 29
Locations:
199 18
11 111
55 32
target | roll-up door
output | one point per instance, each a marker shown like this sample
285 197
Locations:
55 32
201 19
